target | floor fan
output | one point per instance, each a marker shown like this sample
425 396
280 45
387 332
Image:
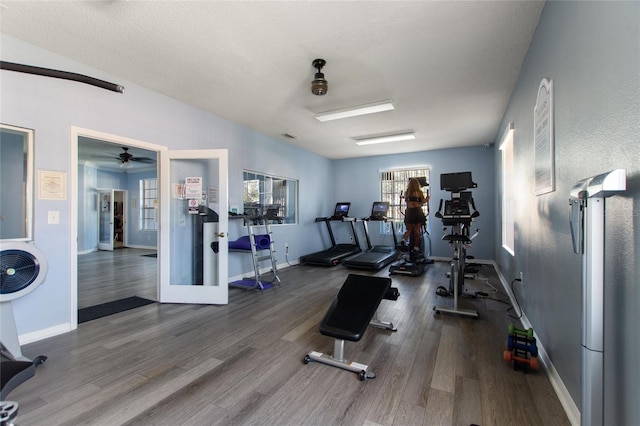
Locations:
23 268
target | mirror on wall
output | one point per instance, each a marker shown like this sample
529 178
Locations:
272 197
16 175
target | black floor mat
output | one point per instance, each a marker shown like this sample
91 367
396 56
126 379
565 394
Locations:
110 308
150 255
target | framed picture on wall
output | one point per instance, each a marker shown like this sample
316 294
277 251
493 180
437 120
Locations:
543 133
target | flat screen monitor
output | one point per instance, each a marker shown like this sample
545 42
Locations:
456 182
379 209
342 209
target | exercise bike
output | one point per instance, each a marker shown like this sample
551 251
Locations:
459 212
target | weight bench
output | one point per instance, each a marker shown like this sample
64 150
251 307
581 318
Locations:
351 312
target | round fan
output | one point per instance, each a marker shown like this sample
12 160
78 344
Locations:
23 268
125 157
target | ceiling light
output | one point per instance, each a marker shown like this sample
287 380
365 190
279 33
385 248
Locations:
319 85
386 138
355 111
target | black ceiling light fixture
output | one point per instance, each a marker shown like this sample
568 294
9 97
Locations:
319 85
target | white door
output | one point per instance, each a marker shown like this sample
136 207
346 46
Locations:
193 227
105 219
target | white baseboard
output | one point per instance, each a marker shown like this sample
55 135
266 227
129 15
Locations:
141 247
263 270
570 407
44 334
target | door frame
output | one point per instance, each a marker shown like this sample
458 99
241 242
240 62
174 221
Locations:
76 133
207 294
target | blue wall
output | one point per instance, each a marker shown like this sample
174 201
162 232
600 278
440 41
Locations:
53 106
358 180
591 50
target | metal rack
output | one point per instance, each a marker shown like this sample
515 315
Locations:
259 254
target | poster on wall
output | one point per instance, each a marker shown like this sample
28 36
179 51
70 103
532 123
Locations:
52 185
544 139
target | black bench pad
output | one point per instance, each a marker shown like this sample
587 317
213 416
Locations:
352 310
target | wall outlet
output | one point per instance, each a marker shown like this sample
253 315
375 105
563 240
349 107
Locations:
286 248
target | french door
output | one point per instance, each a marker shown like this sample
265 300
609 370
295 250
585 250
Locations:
193 245
105 219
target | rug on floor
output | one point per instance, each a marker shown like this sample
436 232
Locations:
150 255
105 309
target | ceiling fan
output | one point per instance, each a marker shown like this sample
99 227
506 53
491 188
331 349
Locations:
125 157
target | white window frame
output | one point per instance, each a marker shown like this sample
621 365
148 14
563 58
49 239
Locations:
148 213
508 223
260 192
396 181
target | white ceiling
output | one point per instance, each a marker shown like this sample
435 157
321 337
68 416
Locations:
448 66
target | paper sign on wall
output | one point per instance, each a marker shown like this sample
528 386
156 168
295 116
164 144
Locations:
193 187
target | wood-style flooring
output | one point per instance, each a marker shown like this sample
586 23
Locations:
242 363
105 276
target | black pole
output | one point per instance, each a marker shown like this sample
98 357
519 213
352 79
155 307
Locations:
29 69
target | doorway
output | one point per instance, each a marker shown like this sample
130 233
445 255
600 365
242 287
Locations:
119 219
104 276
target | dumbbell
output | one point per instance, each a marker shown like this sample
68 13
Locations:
528 345
531 362
528 333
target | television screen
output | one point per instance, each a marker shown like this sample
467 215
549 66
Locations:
456 182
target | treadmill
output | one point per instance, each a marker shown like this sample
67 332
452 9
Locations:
378 256
337 252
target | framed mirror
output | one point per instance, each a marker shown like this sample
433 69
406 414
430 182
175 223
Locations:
16 175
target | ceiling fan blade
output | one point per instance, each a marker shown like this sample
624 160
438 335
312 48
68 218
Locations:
143 159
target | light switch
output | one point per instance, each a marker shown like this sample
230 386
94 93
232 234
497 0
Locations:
54 217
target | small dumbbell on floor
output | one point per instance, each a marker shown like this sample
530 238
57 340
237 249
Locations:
526 345
513 331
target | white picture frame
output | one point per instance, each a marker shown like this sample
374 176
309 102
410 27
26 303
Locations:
543 132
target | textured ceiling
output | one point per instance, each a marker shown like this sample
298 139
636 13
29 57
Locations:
449 67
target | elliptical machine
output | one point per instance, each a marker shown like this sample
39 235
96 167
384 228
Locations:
458 213
414 263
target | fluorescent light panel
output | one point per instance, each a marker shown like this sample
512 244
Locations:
355 111
387 138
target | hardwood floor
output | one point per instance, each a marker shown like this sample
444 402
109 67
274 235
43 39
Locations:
105 276
241 363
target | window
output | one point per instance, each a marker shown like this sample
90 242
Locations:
393 182
508 232
274 197
148 204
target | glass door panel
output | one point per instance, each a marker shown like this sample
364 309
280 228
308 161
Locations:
193 249
105 219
